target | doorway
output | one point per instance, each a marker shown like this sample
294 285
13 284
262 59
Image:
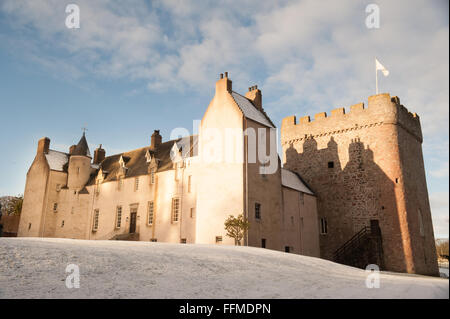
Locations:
133 222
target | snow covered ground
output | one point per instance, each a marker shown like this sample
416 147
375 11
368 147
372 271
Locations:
36 268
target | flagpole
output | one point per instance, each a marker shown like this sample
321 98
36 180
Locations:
376 77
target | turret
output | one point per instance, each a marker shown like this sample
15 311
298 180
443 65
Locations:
79 165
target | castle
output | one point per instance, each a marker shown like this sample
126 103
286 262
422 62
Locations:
352 187
168 192
366 167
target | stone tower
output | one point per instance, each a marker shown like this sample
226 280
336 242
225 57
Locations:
367 169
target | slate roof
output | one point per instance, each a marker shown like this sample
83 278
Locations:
292 180
136 162
250 111
56 160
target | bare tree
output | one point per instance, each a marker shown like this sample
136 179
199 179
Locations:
236 227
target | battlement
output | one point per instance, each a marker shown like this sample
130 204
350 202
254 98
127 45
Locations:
381 109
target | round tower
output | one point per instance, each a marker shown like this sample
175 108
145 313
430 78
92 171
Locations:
79 169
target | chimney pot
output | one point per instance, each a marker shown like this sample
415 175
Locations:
226 74
221 75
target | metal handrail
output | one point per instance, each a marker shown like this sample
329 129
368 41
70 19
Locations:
353 242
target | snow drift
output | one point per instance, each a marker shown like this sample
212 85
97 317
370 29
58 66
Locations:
36 268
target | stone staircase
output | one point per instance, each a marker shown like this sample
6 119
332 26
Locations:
364 248
128 236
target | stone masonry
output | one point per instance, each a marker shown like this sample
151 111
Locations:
367 167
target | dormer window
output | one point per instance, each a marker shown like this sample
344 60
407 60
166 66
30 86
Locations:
148 156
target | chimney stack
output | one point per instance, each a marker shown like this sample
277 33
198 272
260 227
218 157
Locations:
43 145
155 140
99 155
255 96
223 84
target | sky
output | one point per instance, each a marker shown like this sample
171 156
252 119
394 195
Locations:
135 66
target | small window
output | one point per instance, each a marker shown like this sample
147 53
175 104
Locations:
150 212
55 207
287 249
192 212
189 183
62 224
183 240
153 240
118 216
257 210
396 180
29 226
323 226
152 176
218 239
302 198
421 230
78 171
97 188
175 209
331 164
136 184
263 243
95 221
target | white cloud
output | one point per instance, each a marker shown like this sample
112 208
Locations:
439 202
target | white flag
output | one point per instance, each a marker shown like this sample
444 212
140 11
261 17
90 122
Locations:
380 66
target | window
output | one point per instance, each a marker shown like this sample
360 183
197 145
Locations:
175 209
55 207
287 249
192 212
302 198
323 226
257 210
78 171
189 183
150 212
118 216
263 243
152 176
330 164
292 220
183 240
95 222
396 180
29 226
218 239
421 230
154 240
136 184
62 224
97 188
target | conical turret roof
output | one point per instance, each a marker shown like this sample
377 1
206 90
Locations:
82 147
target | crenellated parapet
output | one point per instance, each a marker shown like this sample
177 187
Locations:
382 109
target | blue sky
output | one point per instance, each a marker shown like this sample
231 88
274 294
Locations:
136 66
